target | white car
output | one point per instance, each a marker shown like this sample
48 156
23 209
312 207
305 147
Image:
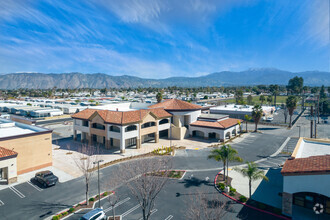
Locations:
95 214
269 119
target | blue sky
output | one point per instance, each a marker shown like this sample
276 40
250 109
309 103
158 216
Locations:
163 38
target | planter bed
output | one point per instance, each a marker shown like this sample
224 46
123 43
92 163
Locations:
241 198
81 205
174 174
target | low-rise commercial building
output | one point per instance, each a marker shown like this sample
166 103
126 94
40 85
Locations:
121 129
239 111
215 126
306 180
183 114
32 144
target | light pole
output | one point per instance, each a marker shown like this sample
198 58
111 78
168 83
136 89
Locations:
299 129
98 178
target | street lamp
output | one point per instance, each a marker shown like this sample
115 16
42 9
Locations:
98 178
299 129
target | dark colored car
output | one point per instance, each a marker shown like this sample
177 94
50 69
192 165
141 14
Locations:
46 178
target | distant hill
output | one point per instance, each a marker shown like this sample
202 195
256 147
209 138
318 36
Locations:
258 76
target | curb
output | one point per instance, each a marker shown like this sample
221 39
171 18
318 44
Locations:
81 202
249 206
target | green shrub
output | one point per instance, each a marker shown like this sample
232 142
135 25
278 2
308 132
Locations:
71 210
92 199
232 189
55 217
221 186
65 213
232 193
105 194
242 198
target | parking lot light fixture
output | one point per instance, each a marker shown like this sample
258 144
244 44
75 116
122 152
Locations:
98 178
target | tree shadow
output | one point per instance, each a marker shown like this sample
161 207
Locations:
193 181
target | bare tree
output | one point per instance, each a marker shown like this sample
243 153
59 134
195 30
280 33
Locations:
205 206
113 201
84 161
141 177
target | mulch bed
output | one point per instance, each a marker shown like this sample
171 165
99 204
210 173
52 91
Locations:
175 174
82 206
236 195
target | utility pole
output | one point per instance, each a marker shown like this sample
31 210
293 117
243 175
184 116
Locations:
98 179
311 121
318 109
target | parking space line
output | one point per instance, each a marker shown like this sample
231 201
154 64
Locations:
16 192
271 162
1 203
118 204
152 212
130 210
34 186
169 217
277 159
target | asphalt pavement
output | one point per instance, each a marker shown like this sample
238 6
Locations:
30 201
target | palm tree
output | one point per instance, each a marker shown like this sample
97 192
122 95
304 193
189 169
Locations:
225 154
262 99
291 104
269 99
247 118
252 173
257 113
159 97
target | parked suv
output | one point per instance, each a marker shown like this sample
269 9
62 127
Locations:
95 214
46 178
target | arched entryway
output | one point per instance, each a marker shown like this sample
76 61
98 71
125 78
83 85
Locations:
198 134
227 135
212 135
233 132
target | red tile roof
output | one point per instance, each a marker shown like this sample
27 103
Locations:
226 123
117 117
308 165
176 104
4 152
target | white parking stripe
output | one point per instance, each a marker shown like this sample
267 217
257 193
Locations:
1 203
271 162
118 204
169 217
130 210
17 192
34 186
152 212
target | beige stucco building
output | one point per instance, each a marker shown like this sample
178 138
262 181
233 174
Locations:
32 144
116 129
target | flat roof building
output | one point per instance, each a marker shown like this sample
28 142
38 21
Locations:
32 144
239 111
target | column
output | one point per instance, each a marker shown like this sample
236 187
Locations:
138 143
107 144
75 134
122 140
156 137
287 203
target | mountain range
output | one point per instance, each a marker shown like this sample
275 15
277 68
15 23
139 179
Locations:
259 76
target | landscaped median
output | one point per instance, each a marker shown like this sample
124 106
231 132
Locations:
172 174
162 151
237 197
81 205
